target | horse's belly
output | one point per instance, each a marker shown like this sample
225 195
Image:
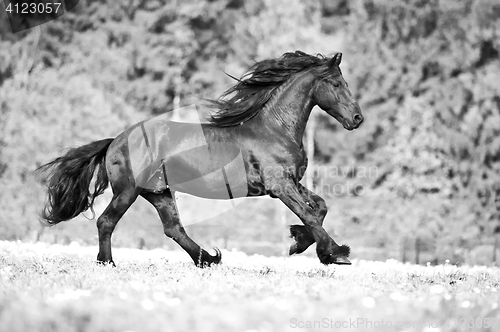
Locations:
226 182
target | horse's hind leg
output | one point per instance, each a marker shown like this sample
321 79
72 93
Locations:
169 215
109 218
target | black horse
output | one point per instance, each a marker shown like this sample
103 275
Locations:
251 146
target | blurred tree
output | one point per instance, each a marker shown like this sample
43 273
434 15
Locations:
425 72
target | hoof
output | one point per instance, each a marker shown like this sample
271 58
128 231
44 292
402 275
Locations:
341 261
206 260
105 263
297 248
339 255
303 239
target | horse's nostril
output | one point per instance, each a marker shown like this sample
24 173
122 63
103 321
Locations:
358 118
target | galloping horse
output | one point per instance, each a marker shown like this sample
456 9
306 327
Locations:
258 124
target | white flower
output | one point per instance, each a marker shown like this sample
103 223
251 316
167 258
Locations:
396 296
465 304
436 289
368 302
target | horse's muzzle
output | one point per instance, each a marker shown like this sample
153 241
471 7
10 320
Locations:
358 120
354 124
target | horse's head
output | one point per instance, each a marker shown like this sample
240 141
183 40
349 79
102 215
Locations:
333 96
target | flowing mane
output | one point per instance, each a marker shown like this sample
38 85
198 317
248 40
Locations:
246 98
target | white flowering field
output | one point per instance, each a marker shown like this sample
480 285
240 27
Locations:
60 288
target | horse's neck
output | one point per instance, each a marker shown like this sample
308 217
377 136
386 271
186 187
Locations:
289 108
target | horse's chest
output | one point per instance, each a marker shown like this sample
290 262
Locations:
270 167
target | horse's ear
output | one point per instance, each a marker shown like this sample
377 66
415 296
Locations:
335 60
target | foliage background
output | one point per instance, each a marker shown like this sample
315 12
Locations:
426 74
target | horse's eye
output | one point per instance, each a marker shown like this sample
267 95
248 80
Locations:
336 84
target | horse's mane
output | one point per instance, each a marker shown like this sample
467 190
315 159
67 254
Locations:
246 98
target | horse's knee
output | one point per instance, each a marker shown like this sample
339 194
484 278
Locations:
105 225
321 208
322 212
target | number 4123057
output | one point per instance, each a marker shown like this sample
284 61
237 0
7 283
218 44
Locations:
33 8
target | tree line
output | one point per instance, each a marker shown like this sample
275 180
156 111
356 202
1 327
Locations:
425 73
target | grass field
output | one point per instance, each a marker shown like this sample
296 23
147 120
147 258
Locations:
60 288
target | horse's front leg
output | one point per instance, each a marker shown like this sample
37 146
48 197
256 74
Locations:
300 233
310 210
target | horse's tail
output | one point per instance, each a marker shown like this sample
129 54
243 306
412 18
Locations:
68 180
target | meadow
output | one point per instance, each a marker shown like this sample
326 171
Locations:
60 288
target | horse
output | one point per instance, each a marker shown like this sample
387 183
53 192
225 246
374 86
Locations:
257 126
